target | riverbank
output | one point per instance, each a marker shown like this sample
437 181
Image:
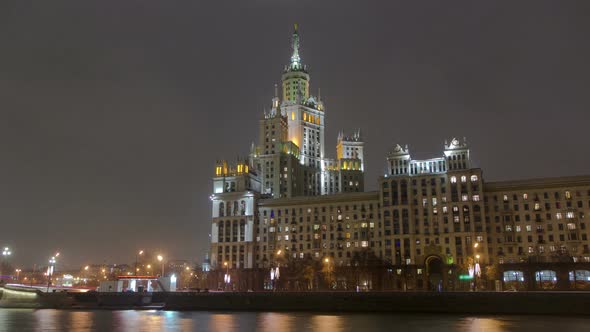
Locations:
487 303
539 303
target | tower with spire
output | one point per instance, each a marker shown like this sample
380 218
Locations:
287 161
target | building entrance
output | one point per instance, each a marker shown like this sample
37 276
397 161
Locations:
434 268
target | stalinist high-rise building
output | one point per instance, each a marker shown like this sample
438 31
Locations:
430 223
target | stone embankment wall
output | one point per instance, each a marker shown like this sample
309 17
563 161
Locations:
416 302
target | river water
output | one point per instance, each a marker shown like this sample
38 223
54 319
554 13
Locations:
152 320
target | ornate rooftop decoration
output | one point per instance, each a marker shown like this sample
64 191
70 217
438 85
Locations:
456 144
398 150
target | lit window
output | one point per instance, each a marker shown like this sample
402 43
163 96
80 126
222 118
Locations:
525 196
568 195
453 179
473 178
505 198
364 244
445 210
465 197
463 178
286 237
528 228
558 215
571 226
476 198
570 215
518 228
419 271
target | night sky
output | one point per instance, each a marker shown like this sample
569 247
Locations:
114 112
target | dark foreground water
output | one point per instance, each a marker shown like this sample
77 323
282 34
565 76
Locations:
129 320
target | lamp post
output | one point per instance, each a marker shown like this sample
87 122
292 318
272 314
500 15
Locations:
136 259
17 274
50 268
274 271
5 254
161 260
226 277
327 261
476 267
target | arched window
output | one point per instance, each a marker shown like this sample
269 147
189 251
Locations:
453 179
220 231
473 178
463 178
242 230
221 209
517 276
227 230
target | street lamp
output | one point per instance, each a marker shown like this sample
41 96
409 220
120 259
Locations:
5 253
161 260
329 274
274 272
50 268
226 277
476 267
17 274
136 259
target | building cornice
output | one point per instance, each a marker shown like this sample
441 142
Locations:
538 183
323 199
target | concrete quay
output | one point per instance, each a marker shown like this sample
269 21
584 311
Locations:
557 303
486 303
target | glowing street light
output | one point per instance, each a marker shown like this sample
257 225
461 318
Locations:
18 274
226 277
5 253
136 259
161 260
50 269
476 268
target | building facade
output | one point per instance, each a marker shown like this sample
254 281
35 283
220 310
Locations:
430 224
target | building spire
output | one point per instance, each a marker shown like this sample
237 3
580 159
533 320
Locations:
295 59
